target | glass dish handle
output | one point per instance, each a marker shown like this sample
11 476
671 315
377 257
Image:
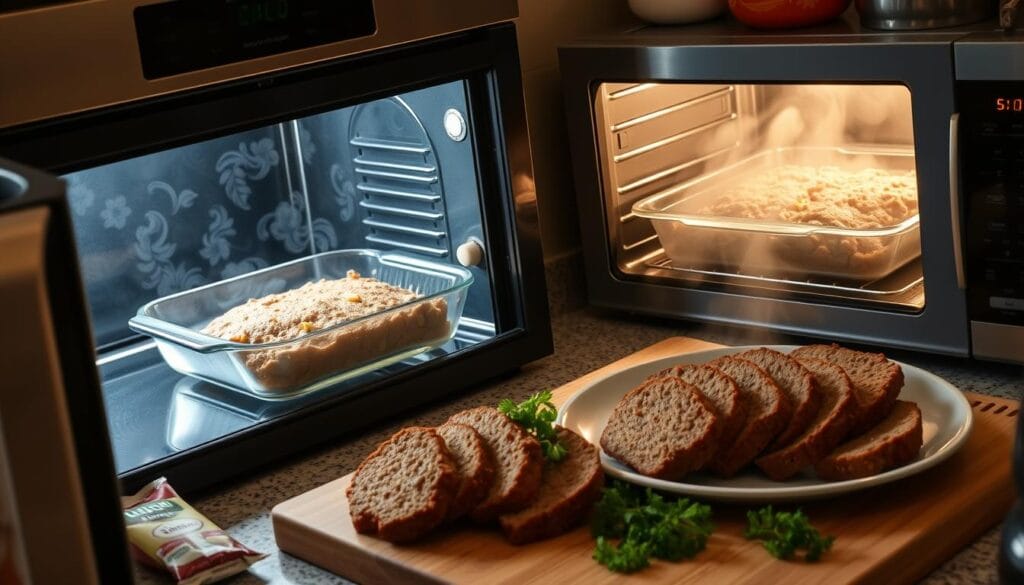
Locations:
181 335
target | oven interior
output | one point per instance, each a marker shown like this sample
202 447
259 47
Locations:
796 191
396 174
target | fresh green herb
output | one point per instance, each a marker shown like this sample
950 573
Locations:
628 557
783 533
536 414
647 525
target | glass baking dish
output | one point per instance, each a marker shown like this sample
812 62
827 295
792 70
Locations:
289 368
762 247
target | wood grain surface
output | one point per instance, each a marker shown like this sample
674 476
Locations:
895 533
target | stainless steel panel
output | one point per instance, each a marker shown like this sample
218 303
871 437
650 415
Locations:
990 57
996 341
919 14
84 55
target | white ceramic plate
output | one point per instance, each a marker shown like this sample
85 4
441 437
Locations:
945 412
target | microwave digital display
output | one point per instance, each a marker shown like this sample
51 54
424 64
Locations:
187 35
1009 104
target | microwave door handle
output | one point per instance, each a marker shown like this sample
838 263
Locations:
954 197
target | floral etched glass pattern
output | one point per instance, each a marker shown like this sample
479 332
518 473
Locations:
167 222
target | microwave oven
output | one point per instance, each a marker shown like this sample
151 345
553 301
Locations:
832 182
214 151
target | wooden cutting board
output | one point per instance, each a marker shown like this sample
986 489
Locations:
895 533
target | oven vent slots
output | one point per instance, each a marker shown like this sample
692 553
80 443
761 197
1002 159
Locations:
659 135
399 180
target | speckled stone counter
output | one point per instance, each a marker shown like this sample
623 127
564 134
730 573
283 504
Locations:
585 339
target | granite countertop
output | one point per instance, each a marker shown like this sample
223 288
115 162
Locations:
585 339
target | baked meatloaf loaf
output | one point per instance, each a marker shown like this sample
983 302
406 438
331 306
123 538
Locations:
325 304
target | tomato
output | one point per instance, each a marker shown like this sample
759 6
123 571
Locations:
786 13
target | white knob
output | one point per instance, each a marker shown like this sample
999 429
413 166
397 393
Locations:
470 253
455 125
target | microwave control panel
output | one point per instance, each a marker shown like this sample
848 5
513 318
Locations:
992 171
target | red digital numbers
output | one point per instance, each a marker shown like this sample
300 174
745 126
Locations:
1010 104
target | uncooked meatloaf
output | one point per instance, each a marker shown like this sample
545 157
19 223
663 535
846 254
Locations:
323 304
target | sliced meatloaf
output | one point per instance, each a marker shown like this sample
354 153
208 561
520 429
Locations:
664 428
405 487
796 383
827 429
767 414
721 393
877 381
473 460
517 457
568 490
893 442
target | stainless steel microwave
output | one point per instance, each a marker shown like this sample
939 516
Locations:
839 183
201 142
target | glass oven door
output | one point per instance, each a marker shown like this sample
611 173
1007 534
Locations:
798 183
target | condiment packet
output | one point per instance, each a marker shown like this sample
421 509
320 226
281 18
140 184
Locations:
164 531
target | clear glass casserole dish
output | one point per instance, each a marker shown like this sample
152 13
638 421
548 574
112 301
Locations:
292 367
694 238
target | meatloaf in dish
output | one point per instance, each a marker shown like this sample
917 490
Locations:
830 196
325 304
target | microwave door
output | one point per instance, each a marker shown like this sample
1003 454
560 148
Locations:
57 480
680 122
398 167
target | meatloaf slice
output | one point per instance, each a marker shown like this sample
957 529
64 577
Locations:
405 487
796 383
828 428
473 460
568 490
893 442
517 457
721 393
768 412
876 380
664 428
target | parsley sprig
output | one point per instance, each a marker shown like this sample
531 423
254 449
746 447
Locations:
647 525
783 533
536 414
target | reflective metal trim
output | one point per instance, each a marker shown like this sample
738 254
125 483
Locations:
79 56
996 341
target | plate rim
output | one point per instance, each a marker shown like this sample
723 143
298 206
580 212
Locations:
813 491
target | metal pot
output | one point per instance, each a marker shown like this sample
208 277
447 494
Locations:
919 14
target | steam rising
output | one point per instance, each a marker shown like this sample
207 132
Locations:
856 117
